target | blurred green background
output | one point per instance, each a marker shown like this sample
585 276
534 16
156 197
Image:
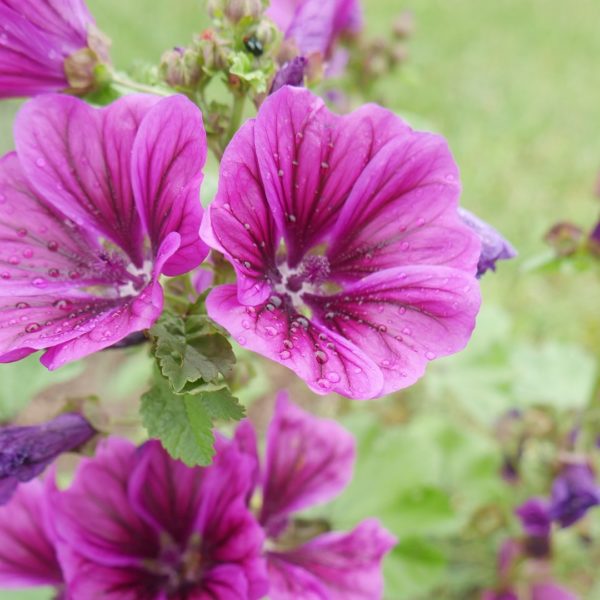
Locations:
514 85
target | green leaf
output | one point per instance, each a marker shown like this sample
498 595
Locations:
243 67
191 349
184 423
181 424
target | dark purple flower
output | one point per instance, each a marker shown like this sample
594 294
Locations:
494 247
316 25
309 461
535 517
26 451
137 524
96 205
376 273
574 492
48 46
291 73
27 541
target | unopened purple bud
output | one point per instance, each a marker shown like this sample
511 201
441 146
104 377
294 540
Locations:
535 517
291 73
494 247
26 451
574 492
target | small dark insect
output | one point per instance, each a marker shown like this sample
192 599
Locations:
253 45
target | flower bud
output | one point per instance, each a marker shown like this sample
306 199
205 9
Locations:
236 10
180 68
83 68
404 25
564 238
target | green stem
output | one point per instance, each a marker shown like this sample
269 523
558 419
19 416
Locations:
121 81
237 112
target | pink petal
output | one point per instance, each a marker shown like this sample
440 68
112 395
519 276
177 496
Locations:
230 534
40 249
130 314
168 157
403 211
64 22
95 516
165 492
78 158
403 318
346 565
310 160
27 554
550 591
223 582
309 461
239 222
325 360
30 63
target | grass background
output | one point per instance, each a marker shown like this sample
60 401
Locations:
515 87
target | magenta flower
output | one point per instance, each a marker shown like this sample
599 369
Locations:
309 461
138 524
95 205
315 25
26 451
376 274
535 517
27 541
550 591
48 46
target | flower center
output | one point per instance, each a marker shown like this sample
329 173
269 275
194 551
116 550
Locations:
310 275
178 568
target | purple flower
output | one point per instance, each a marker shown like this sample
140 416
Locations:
535 517
376 274
95 205
315 25
137 524
493 246
574 492
26 451
309 461
291 73
48 46
27 541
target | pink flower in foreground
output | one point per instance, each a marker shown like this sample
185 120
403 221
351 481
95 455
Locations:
47 46
95 205
27 543
315 25
376 273
309 461
137 524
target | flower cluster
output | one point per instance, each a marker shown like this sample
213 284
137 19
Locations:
136 523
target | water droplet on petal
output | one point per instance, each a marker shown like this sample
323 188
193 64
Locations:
39 282
288 344
241 340
62 304
32 327
275 301
246 324
429 355
5 275
52 246
40 162
271 331
333 377
324 384
28 253
302 322
321 357
14 260
381 328
21 305
285 354
21 232
77 275
53 272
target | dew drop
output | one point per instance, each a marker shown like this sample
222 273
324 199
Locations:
333 377
52 246
276 301
21 232
62 304
28 253
321 357
40 162
21 305
5 275
285 354
420 222
14 260
247 226
280 173
53 272
302 322
324 384
407 331
324 165
247 264
241 340
246 324
271 331
32 327
381 328
77 275
429 355
39 282
402 310
404 245
288 344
